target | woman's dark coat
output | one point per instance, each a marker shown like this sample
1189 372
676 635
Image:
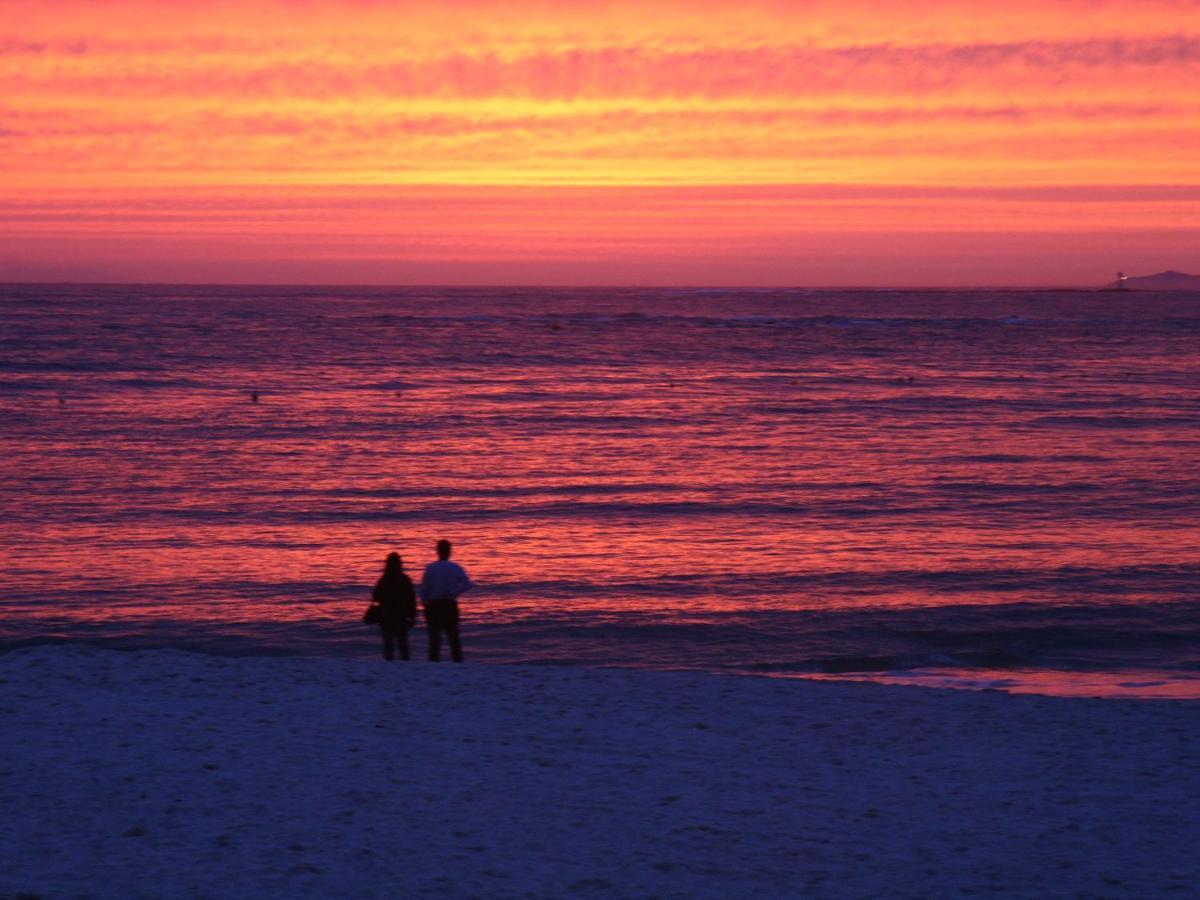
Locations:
397 601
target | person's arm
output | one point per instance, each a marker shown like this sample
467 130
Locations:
408 604
464 582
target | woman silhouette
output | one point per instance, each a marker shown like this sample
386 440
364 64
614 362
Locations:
397 606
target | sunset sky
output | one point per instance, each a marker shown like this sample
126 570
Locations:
960 142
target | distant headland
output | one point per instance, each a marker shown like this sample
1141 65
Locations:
1163 281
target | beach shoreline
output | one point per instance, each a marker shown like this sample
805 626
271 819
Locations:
169 773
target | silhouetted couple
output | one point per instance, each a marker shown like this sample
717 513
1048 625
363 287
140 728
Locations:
441 586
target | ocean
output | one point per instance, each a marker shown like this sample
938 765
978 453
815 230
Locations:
985 489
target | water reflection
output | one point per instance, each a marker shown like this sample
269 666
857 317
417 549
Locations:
711 457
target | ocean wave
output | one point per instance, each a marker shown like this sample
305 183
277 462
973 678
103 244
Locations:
174 382
892 595
1116 421
988 637
954 502
1160 636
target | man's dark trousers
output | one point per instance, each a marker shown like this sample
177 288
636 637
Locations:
442 615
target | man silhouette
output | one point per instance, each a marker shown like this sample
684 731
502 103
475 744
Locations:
441 586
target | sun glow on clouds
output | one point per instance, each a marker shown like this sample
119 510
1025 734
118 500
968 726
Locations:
384 141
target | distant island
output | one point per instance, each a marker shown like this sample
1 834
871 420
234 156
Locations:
1163 281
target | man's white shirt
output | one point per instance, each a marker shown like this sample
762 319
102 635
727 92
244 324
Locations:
444 580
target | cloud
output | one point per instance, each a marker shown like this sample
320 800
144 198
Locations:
617 72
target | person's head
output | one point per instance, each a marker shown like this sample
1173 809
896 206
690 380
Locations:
443 549
393 564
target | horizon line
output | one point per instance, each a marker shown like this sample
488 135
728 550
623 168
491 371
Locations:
1073 288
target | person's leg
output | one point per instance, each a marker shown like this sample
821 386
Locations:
433 624
387 642
402 640
452 632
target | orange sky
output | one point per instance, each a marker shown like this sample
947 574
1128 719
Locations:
823 143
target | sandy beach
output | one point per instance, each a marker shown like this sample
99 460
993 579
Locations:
160 773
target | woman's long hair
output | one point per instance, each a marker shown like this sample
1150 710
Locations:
393 568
